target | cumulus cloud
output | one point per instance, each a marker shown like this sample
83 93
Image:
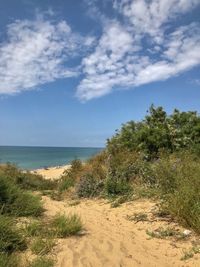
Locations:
36 52
140 51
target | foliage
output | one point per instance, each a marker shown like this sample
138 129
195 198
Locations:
89 186
15 201
158 132
26 180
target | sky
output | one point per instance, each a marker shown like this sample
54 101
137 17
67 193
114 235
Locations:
71 72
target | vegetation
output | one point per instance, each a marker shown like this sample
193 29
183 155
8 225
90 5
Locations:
157 157
64 225
42 262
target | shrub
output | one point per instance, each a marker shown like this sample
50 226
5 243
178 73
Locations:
179 182
89 186
26 180
42 262
117 186
66 225
16 201
27 204
11 238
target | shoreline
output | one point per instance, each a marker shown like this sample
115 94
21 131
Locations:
53 173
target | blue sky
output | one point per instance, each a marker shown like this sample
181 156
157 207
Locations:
71 72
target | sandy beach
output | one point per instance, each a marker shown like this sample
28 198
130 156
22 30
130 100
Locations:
52 172
111 239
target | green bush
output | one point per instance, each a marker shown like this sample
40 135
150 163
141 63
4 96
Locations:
117 186
66 225
11 238
26 180
16 201
89 186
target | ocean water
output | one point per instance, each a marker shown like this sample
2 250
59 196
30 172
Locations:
38 157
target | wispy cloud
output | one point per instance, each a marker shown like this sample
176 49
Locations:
143 46
141 50
36 52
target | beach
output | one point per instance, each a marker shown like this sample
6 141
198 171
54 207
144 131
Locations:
110 237
52 172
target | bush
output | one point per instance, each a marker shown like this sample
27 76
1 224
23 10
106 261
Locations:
89 186
11 238
179 181
16 201
117 186
66 225
25 179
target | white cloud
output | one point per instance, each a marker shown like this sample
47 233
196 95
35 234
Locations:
140 51
35 53
142 47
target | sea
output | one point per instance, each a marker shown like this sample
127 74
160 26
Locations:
30 158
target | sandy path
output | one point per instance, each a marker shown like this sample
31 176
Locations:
110 240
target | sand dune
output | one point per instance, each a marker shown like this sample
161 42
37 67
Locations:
111 240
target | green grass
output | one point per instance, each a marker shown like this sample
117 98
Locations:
7 260
66 225
42 246
42 262
11 238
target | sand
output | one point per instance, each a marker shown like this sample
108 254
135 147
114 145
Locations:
110 239
52 172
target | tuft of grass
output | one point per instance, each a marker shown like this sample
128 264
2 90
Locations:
11 238
162 233
191 252
42 262
33 229
7 260
138 217
42 246
66 225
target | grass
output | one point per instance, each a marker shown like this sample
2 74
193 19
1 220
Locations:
66 225
42 262
138 217
42 246
34 229
7 260
11 238
190 253
162 233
